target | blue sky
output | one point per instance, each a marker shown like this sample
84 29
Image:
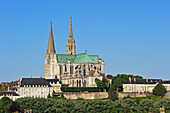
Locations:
131 36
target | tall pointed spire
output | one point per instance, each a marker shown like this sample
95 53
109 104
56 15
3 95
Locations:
71 32
51 48
71 47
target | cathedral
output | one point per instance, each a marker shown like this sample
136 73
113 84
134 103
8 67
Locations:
72 69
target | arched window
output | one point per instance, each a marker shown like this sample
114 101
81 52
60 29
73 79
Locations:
71 69
84 70
84 83
65 68
73 83
61 69
79 83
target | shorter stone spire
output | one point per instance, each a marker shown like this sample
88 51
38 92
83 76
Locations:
51 47
71 47
71 31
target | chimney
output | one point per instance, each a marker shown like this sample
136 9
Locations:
130 79
146 79
134 79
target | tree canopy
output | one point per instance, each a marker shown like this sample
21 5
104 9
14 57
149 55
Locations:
49 105
102 84
159 90
5 104
112 94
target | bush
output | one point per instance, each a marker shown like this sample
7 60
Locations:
159 90
113 94
5 104
79 89
147 105
50 105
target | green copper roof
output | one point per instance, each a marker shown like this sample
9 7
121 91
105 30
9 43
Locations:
79 58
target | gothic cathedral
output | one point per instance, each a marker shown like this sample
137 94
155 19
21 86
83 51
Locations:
73 70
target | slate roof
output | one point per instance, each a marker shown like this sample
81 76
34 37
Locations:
144 81
79 58
7 93
53 80
34 81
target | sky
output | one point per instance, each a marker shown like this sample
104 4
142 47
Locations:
131 36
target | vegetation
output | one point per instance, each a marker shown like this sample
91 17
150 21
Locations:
113 94
5 104
78 89
49 96
118 80
159 90
51 105
6 87
128 105
102 84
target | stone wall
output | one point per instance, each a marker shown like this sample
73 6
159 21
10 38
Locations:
167 95
100 95
125 94
86 95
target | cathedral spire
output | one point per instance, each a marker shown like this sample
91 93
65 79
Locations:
71 47
51 48
71 32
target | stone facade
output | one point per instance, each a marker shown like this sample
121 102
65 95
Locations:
34 87
74 70
143 85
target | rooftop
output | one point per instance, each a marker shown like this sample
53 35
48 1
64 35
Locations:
79 58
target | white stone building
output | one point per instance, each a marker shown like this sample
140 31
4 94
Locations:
35 87
72 69
143 85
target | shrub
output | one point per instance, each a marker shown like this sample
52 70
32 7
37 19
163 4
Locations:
113 94
159 90
5 104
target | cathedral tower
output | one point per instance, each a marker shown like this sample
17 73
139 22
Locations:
71 47
50 58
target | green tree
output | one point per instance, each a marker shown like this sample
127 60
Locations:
62 94
165 103
49 96
112 93
5 104
105 84
146 106
99 83
102 84
159 90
